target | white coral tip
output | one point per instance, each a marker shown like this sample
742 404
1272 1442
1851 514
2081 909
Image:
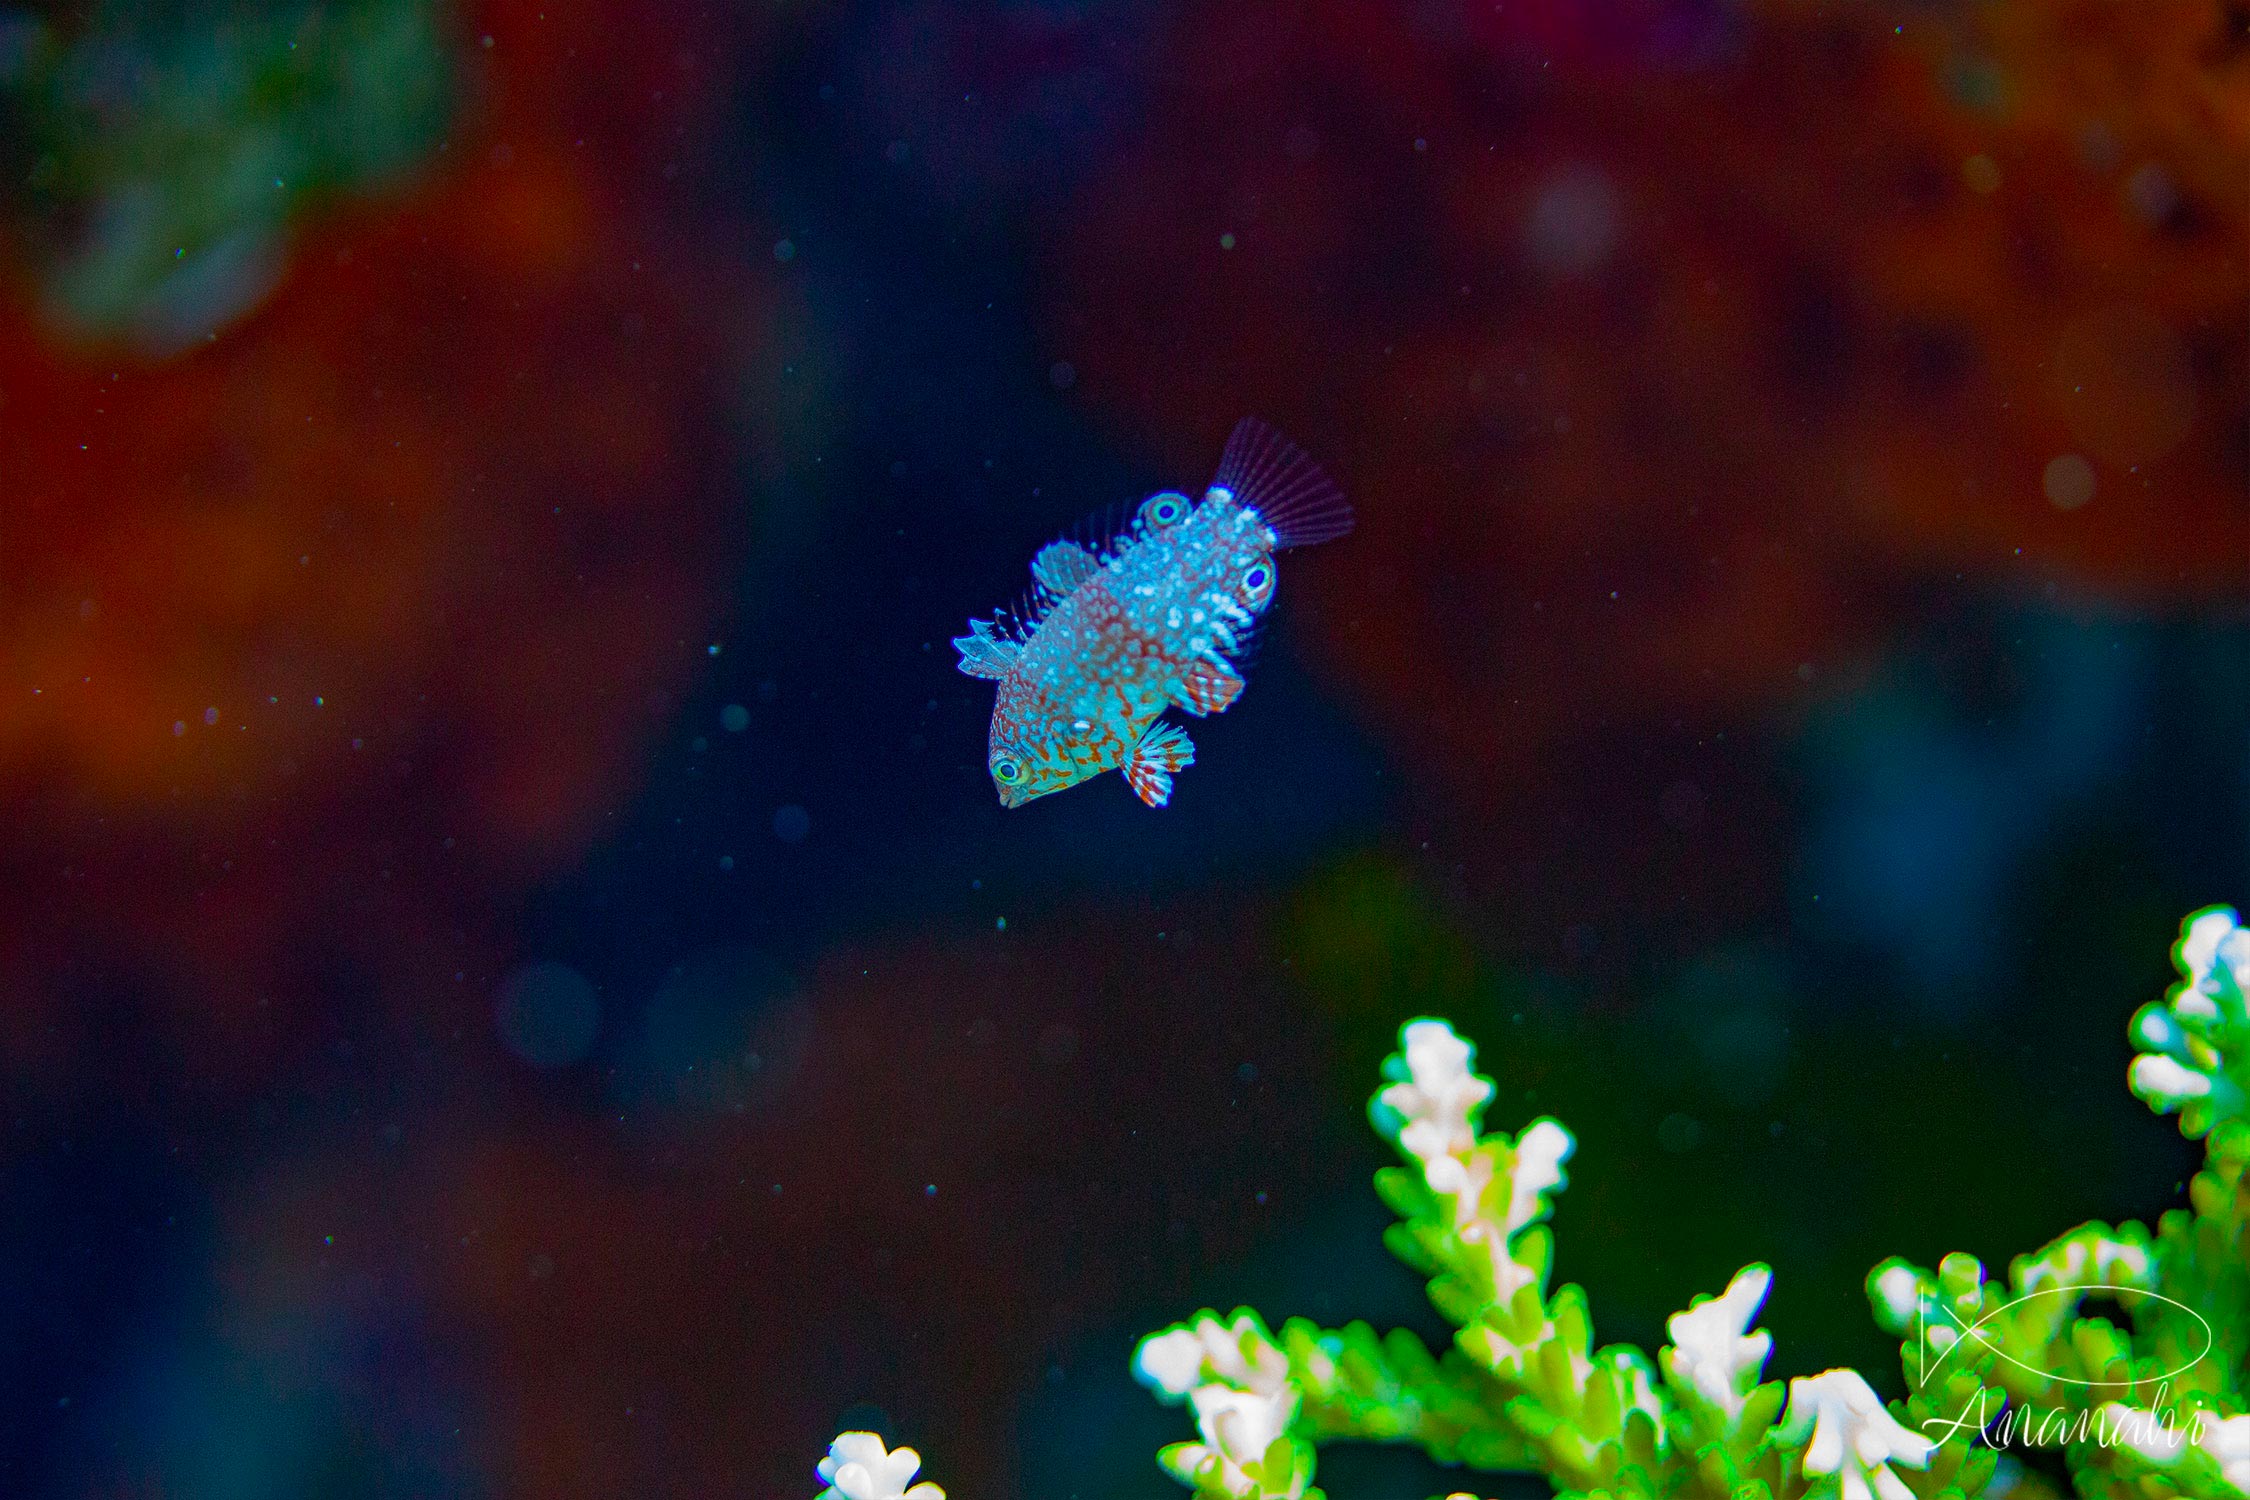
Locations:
2161 1078
2201 944
1901 1292
1540 1153
1713 1350
1172 1362
1852 1435
858 1468
1430 1107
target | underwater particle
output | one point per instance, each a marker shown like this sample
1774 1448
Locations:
1062 374
547 1014
726 861
785 251
1982 174
2069 481
179 727
1226 241
791 823
699 744
1571 227
1679 1133
734 718
210 716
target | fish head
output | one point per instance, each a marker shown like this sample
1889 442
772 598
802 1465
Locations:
1025 768
1033 750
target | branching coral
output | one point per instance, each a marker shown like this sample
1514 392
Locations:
2147 1411
2150 1410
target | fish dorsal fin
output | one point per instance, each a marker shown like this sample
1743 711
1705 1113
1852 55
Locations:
985 652
1265 472
1061 566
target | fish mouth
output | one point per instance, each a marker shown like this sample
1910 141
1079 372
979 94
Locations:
1017 796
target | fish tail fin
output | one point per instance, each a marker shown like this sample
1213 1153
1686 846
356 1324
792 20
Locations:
1269 474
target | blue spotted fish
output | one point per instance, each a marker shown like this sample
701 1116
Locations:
1153 618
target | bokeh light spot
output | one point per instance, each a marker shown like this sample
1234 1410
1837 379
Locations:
2069 481
1571 228
791 823
734 718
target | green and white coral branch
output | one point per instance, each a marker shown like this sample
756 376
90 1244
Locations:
1524 1387
2151 1408
2145 1411
2192 1042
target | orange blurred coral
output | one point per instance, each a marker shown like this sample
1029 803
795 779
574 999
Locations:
445 509
1654 387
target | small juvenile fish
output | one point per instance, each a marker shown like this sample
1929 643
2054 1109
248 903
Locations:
1155 618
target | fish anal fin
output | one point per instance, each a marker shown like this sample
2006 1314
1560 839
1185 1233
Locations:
1152 760
1211 689
1061 567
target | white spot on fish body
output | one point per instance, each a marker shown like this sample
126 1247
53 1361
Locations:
1172 619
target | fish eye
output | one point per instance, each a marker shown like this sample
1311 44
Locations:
1257 583
1164 509
1006 772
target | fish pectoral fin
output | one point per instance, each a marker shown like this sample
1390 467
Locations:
1211 689
984 652
1061 566
1158 753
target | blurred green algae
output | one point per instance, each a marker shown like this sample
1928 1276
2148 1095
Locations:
161 152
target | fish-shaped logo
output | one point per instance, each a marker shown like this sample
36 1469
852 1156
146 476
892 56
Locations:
1152 618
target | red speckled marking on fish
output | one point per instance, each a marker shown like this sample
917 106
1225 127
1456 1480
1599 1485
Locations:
1154 622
